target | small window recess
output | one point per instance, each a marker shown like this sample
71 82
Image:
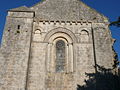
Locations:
18 26
18 31
9 29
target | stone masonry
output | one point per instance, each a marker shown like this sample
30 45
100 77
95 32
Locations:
28 51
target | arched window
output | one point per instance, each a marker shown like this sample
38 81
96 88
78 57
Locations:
60 56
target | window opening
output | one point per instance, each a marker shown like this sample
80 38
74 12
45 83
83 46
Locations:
60 56
18 26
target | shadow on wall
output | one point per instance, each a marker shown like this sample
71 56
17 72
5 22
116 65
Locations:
103 79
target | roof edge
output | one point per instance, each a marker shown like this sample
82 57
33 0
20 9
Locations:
21 9
105 17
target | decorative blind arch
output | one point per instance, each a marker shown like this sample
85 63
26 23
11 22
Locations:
37 31
84 37
37 35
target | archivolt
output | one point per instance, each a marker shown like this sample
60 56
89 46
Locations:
61 30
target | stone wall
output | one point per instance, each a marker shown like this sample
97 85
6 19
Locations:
28 56
82 53
103 45
15 51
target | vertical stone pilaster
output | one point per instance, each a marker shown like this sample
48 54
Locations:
70 56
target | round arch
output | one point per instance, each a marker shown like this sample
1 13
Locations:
64 33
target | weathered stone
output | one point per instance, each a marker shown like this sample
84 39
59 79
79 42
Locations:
28 50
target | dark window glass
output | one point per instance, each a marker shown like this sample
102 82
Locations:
60 56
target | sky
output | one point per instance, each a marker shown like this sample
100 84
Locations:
109 8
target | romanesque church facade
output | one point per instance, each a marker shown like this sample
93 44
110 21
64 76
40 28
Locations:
52 45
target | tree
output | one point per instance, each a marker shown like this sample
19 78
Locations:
116 23
104 79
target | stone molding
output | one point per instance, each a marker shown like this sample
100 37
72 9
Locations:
61 30
87 22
